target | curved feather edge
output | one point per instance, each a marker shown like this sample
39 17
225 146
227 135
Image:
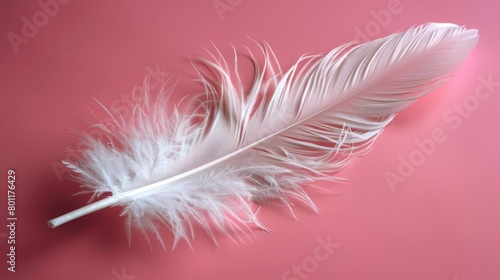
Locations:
208 164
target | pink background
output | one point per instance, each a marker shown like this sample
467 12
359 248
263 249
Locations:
439 221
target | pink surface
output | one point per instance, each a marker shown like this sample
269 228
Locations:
437 217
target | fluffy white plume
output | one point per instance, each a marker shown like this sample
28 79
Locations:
289 129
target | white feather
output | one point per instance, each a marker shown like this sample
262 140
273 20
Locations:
290 129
